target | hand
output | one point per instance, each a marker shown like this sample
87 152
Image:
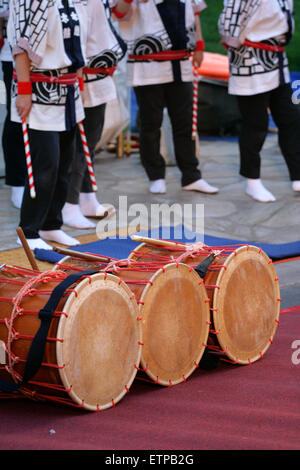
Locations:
197 58
82 95
23 104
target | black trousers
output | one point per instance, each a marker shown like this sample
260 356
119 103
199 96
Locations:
12 138
80 178
178 98
52 155
255 120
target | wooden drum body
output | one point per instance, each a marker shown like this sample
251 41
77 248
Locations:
174 314
244 294
93 345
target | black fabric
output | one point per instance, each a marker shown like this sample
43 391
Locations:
255 121
37 348
218 112
80 179
178 99
70 23
12 138
172 13
52 154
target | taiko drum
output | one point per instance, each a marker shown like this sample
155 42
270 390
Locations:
93 345
173 311
243 289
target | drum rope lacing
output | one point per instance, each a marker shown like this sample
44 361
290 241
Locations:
154 261
194 251
26 290
31 279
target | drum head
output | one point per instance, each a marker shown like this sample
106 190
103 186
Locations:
175 319
246 304
100 352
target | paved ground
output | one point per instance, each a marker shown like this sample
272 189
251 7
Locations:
229 214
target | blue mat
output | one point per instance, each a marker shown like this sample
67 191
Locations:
120 248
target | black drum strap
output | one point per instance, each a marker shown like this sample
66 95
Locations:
37 348
202 268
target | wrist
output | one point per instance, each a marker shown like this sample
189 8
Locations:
117 13
200 45
24 88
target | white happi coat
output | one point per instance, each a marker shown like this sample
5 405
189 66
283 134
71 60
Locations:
144 32
103 50
40 27
252 70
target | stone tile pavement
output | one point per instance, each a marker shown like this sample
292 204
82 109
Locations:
230 213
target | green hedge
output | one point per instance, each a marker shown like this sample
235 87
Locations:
209 19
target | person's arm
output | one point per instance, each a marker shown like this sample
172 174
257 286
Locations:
24 98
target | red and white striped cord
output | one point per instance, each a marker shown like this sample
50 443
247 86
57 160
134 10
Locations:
28 159
87 156
195 103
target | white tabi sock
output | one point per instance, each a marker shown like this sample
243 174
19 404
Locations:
202 186
73 217
17 196
36 243
58 236
296 186
256 190
158 187
91 207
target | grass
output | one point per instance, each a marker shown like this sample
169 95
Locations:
209 23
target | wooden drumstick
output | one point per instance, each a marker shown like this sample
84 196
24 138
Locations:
27 249
153 241
78 254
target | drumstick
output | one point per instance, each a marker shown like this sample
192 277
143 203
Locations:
78 254
195 103
87 156
28 159
153 241
27 249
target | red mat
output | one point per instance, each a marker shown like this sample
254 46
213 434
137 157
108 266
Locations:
254 407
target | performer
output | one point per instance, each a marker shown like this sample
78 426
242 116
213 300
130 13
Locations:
161 35
256 33
48 45
12 138
105 49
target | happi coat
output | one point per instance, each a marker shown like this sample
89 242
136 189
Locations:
270 22
160 25
54 35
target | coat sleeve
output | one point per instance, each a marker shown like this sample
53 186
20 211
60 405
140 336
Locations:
234 18
27 27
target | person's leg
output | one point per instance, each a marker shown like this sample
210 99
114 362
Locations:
179 99
286 115
255 120
44 146
89 204
13 145
71 212
50 229
151 104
